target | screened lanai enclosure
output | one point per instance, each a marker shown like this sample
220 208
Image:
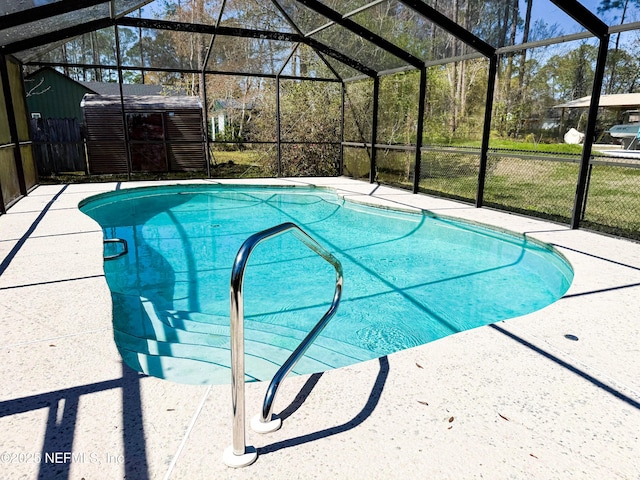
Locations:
452 98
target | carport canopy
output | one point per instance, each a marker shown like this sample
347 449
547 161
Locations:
622 101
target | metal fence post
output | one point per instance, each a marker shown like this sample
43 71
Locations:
374 130
581 188
486 129
422 96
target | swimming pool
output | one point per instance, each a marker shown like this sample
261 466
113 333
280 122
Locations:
409 278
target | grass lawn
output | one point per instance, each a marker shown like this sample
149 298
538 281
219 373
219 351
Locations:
504 144
238 164
613 204
542 188
539 188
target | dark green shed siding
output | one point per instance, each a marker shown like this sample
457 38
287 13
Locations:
53 95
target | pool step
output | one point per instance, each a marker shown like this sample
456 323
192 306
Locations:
284 336
159 358
191 347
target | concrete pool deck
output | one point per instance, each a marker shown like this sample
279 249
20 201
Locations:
516 399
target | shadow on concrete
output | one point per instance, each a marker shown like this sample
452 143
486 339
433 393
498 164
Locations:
598 257
37 284
602 290
367 410
303 394
598 383
16 248
57 453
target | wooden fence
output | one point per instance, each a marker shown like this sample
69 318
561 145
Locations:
58 145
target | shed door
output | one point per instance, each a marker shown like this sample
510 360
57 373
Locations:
147 142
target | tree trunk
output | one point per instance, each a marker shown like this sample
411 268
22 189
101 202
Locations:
433 35
512 18
523 55
463 66
613 64
95 49
454 76
64 58
245 94
511 41
84 59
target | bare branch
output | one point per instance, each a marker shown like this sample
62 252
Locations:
32 91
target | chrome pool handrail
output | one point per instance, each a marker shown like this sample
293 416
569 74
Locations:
283 371
239 454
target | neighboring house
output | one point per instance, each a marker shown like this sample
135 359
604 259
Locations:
53 105
222 113
51 94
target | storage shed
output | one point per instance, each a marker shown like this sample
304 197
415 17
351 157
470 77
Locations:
165 134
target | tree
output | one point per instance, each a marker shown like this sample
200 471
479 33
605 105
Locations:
569 72
623 6
623 72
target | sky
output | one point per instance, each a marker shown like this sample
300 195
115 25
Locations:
547 11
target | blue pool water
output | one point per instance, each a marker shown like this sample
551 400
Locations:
408 278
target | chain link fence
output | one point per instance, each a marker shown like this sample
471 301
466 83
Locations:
309 159
395 167
450 172
539 185
613 197
536 184
356 163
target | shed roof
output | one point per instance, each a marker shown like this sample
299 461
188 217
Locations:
143 102
106 88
